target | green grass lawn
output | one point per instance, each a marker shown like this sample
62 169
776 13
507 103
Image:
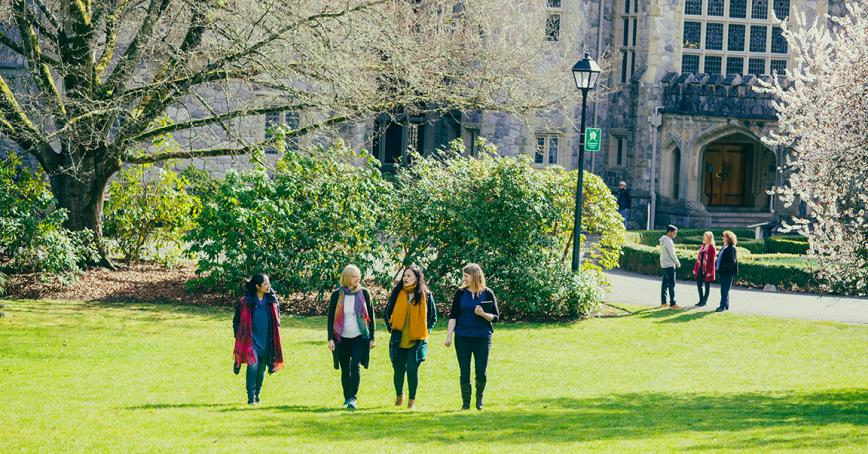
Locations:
89 377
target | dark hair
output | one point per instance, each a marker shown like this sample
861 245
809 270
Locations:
256 280
420 289
671 228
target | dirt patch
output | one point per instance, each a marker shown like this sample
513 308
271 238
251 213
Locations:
150 283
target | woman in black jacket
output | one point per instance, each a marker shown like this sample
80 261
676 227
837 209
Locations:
350 331
727 268
410 315
473 311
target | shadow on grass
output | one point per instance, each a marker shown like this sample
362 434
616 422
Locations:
783 421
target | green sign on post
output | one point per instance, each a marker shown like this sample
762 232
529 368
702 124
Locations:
592 139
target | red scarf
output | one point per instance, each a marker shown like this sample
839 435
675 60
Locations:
244 353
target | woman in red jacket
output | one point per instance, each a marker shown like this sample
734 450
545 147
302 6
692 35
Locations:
704 267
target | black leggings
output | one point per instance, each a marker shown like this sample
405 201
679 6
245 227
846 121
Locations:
405 363
350 356
700 280
479 348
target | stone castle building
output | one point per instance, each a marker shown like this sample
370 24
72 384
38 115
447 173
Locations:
682 126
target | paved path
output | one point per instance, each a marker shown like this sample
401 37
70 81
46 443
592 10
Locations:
638 289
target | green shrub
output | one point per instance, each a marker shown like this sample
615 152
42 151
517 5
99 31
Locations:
690 236
512 219
315 213
787 245
754 271
148 213
32 236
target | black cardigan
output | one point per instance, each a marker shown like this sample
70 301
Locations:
432 310
728 261
333 303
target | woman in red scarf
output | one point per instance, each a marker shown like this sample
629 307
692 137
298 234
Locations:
350 331
704 267
257 334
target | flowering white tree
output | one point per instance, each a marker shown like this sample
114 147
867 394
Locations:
823 121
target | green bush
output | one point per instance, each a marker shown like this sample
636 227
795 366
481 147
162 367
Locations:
148 213
688 236
510 218
754 271
314 214
787 245
32 236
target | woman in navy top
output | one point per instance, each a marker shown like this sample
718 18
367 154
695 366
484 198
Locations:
473 311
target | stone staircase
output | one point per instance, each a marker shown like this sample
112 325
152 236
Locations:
735 218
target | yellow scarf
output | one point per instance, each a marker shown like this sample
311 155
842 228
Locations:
418 314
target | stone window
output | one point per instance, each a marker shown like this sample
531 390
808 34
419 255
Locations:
553 20
275 120
732 36
547 149
617 150
628 30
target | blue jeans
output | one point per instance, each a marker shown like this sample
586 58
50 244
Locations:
256 374
624 214
668 283
725 285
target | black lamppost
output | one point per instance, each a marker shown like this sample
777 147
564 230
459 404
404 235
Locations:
585 71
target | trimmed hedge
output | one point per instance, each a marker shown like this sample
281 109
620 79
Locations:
687 236
787 245
754 271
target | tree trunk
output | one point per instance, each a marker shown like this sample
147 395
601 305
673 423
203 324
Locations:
82 198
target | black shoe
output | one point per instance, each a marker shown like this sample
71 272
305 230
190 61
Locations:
465 407
251 400
465 396
700 304
236 368
720 309
256 398
479 403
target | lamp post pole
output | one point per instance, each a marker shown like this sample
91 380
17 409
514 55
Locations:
577 226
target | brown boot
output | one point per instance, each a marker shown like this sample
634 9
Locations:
399 400
411 404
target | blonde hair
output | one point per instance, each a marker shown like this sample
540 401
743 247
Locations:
732 238
347 275
708 238
477 277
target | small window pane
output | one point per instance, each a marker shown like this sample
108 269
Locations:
634 31
693 7
738 8
293 123
736 38
734 65
760 9
712 64
780 66
756 66
553 27
632 63
627 6
553 150
626 31
620 155
692 35
782 9
714 36
690 64
624 67
715 8
540 147
779 43
758 38
553 3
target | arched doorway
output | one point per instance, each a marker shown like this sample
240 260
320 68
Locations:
737 170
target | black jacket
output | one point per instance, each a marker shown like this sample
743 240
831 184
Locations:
333 303
624 200
728 261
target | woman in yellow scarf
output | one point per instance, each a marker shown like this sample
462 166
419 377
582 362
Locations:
410 315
